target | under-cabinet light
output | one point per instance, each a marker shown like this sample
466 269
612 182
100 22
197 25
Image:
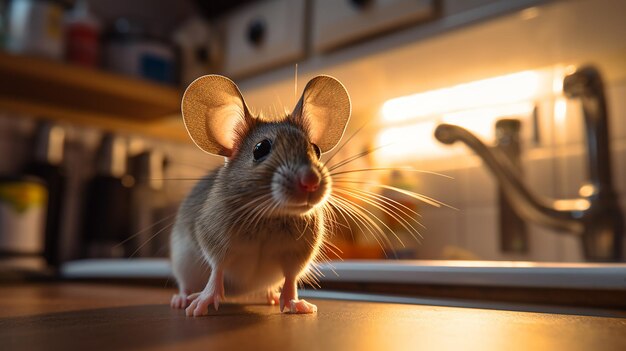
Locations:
502 90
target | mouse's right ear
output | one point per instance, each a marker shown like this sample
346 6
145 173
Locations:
212 108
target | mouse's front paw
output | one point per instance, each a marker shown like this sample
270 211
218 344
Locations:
200 304
300 307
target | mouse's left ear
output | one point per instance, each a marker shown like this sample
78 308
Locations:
325 109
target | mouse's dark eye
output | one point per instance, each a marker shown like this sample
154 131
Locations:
262 149
317 150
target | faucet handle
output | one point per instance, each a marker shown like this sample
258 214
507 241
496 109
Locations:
507 131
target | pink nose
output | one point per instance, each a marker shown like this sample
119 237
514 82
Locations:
309 180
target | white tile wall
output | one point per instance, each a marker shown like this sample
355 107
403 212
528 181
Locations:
571 173
449 191
543 244
481 235
569 129
556 168
482 189
443 230
539 173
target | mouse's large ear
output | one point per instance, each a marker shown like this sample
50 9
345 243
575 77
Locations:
325 108
212 108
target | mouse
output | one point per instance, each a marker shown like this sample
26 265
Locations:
256 223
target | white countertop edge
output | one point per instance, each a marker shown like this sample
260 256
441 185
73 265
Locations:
477 273
117 268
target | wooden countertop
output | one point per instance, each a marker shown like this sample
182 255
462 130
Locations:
87 316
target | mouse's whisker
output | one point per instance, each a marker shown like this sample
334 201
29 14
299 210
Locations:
170 179
311 277
404 169
249 210
149 239
359 216
368 215
387 200
258 211
348 212
198 166
354 158
303 231
358 130
332 248
423 198
168 217
375 205
332 221
390 211
395 205
336 211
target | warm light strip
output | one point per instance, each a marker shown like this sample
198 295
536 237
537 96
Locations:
507 89
397 143
482 121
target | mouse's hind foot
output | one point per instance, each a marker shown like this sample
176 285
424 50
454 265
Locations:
180 301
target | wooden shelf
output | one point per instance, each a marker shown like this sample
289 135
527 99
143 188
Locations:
54 90
44 81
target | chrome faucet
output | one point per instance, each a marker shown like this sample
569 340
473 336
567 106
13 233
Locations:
595 216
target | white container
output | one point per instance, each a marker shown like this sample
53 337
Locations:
22 217
36 28
141 58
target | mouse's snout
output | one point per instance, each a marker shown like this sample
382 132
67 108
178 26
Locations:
309 179
299 189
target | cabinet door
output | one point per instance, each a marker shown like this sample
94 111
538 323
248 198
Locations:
337 22
263 35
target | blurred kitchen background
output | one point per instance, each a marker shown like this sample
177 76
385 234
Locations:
95 158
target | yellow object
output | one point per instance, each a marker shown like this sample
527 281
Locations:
21 195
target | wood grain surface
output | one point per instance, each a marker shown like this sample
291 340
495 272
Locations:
88 316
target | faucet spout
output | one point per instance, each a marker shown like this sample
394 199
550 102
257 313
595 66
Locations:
596 217
556 214
586 84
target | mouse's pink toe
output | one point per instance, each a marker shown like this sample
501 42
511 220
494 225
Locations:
200 305
301 307
179 301
193 296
